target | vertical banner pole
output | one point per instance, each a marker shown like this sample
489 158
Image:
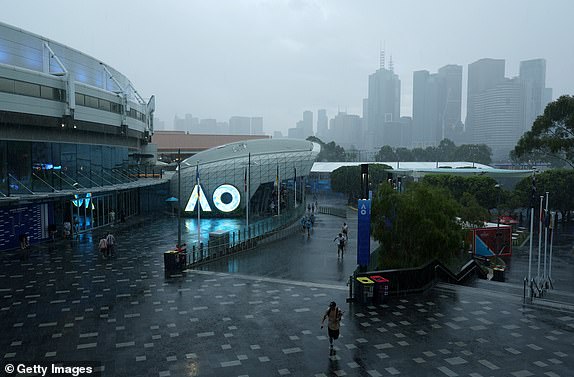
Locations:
198 211
545 235
531 237
539 238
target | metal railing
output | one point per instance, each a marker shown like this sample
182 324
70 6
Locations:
245 238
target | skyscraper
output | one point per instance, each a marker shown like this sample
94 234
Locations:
498 117
483 74
436 104
533 79
322 124
451 77
308 123
384 101
383 104
426 119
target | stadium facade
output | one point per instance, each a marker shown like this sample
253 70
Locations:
253 169
70 129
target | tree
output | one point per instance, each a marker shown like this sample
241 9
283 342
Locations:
481 187
416 226
552 133
480 153
346 179
404 154
446 150
330 151
386 153
559 184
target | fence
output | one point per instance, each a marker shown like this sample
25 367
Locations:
262 231
334 211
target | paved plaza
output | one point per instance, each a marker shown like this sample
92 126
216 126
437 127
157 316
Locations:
259 313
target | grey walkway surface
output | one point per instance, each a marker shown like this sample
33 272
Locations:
259 315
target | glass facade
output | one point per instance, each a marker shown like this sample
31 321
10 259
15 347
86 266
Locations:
27 167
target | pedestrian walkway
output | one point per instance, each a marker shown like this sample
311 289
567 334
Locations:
65 303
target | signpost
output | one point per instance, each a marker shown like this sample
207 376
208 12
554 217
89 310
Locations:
364 233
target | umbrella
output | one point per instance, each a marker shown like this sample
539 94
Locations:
172 199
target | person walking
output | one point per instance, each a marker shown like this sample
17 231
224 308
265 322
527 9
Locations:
345 230
103 246
111 243
340 239
333 315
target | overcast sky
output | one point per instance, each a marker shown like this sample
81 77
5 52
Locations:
277 58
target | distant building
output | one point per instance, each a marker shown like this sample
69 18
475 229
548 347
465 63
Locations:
498 117
384 101
451 77
206 126
346 130
322 124
383 104
483 74
308 123
296 133
239 125
436 104
158 124
257 126
533 78
500 110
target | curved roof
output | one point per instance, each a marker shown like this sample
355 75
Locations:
242 149
422 168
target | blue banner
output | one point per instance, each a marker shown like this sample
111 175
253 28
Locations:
364 233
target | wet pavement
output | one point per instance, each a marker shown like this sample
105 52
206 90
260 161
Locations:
259 313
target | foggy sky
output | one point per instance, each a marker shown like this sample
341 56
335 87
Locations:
277 58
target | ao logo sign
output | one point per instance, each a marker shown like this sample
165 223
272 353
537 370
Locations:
218 193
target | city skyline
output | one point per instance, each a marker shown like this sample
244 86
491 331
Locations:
277 59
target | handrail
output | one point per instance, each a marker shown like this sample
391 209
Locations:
103 179
74 185
88 178
46 183
23 185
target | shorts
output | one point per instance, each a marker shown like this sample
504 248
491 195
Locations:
333 334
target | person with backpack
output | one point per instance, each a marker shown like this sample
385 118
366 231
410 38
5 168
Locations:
340 239
333 315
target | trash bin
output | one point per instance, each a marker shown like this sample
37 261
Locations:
380 289
170 261
364 290
498 274
174 261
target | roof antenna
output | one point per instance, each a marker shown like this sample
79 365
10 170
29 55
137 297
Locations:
382 58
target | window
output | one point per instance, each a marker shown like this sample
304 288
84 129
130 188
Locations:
92 102
80 99
27 89
104 105
6 85
51 93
